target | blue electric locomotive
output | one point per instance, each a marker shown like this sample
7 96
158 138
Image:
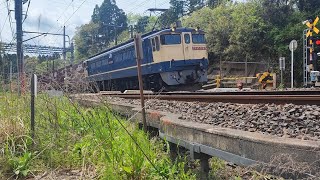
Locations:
174 59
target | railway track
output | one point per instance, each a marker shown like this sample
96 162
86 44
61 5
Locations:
246 97
239 145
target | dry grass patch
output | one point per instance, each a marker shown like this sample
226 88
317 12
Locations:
11 128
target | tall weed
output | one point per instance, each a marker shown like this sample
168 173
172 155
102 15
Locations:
69 136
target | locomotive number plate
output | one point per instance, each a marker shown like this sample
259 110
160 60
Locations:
199 48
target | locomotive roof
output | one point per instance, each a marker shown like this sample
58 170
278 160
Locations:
179 30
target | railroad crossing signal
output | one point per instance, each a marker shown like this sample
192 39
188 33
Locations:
318 42
312 27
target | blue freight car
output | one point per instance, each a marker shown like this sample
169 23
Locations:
174 59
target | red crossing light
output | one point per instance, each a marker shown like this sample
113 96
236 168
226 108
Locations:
318 42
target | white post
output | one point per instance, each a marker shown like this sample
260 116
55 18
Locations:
292 65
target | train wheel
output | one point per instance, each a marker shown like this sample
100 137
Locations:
159 85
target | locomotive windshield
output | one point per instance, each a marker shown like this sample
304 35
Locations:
169 39
198 39
187 38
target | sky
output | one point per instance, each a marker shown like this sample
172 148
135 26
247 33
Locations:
51 15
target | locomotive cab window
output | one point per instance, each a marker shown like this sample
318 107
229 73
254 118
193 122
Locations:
170 39
157 43
153 45
187 38
198 39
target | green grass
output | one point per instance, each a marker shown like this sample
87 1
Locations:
69 136
72 137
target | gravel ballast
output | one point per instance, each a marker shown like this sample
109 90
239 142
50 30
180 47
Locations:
292 121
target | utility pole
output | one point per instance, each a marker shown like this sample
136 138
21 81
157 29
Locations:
115 36
53 67
64 45
47 59
2 74
246 70
65 57
18 17
72 53
139 55
131 31
115 31
10 75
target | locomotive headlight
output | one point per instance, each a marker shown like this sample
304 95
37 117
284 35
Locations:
180 73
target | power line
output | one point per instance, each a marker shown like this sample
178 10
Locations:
65 10
3 26
10 20
141 4
70 17
26 12
60 17
74 12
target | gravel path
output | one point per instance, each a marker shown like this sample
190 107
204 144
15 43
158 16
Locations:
293 121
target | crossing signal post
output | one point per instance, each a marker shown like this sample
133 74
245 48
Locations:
316 49
312 28
310 45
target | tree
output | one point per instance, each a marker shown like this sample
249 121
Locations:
168 18
201 18
112 21
248 34
31 65
234 31
176 10
86 40
308 6
107 22
193 5
95 14
142 24
5 60
215 3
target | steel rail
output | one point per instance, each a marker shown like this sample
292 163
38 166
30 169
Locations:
317 92
241 99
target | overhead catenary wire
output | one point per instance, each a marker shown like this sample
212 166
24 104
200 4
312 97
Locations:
10 20
60 29
3 26
25 17
141 4
65 10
